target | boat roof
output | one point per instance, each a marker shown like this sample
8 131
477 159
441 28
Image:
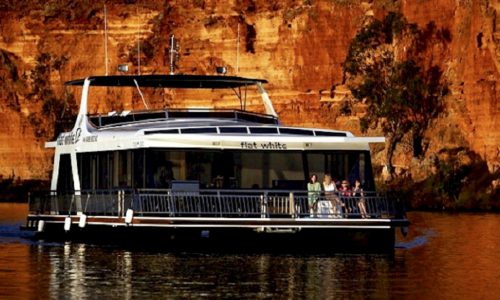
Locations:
114 119
169 81
219 127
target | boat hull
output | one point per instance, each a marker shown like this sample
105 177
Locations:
206 234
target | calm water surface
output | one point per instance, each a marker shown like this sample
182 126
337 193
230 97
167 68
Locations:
444 256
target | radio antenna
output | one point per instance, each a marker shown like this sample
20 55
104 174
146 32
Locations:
238 51
106 39
138 45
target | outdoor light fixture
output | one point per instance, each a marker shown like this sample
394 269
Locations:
123 68
221 70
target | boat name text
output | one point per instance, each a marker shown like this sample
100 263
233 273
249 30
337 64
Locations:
69 138
265 146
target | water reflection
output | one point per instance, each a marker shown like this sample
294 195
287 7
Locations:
444 255
90 271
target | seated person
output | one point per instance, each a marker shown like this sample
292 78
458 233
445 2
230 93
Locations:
344 191
344 188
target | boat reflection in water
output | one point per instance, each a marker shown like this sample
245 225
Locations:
443 256
130 274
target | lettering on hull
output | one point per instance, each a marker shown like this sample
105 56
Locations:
264 146
72 138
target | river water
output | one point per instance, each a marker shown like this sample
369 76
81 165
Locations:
444 256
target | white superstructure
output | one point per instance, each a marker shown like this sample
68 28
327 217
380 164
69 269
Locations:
182 130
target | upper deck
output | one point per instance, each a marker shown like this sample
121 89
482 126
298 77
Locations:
191 127
150 118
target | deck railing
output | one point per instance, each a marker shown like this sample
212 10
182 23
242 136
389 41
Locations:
216 203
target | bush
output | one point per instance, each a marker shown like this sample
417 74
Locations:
456 185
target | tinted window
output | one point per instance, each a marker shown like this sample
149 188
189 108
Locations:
233 129
199 130
296 131
329 133
263 130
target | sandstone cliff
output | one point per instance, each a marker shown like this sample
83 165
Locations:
298 45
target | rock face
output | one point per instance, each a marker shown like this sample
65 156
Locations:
299 46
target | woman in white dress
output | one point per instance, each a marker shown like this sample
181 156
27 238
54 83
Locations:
326 206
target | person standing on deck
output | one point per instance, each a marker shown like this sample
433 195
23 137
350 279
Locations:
357 192
313 192
326 208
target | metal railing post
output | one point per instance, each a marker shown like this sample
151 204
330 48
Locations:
266 204
262 207
291 205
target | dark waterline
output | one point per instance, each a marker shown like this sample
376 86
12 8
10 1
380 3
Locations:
443 256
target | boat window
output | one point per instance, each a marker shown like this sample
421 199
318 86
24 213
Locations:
138 170
342 165
162 166
96 170
86 168
279 170
296 131
233 130
123 172
199 130
65 178
104 170
227 169
163 131
329 133
263 130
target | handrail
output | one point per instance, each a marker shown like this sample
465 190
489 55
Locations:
164 114
216 203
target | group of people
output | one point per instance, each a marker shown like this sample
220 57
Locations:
332 204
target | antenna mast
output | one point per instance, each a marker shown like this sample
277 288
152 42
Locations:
106 38
238 51
138 46
174 54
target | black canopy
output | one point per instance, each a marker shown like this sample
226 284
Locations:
170 81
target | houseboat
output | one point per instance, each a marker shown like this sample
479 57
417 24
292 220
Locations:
198 176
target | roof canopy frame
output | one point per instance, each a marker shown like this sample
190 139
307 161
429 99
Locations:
182 82
241 97
170 81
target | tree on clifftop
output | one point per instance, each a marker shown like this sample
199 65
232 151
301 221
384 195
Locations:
388 67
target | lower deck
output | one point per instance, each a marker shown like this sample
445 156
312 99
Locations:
218 216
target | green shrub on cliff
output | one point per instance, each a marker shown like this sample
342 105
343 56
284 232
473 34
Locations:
384 68
460 180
